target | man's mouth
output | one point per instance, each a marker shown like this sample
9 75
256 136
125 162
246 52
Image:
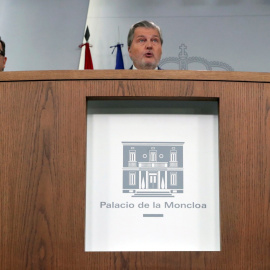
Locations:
149 54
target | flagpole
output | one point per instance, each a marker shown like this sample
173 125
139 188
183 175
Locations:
88 63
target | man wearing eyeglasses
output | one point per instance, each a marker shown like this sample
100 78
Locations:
3 58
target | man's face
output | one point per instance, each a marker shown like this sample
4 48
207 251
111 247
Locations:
3 59
145 50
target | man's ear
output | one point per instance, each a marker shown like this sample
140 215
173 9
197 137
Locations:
5 60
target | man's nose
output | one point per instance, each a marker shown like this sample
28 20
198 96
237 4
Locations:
149 44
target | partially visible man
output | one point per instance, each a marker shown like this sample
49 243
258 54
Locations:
145 45
3 58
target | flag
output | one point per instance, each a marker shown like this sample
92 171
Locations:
88 63
119 56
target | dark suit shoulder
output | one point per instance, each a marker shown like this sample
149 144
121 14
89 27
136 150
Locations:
159 68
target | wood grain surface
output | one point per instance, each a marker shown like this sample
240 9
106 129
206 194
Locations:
43 167
134 75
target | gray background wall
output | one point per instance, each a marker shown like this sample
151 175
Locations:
44 35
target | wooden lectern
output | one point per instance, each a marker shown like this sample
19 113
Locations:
43 167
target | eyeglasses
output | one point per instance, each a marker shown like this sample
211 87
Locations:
2 53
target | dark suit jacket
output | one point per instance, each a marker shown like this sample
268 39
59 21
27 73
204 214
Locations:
158 68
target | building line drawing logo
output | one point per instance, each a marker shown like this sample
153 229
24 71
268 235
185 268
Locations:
153 169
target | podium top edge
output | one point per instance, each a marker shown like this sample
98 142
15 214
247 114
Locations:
62 75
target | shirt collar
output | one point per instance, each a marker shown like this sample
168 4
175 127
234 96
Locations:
133 67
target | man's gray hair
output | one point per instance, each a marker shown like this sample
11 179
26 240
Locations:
145 24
